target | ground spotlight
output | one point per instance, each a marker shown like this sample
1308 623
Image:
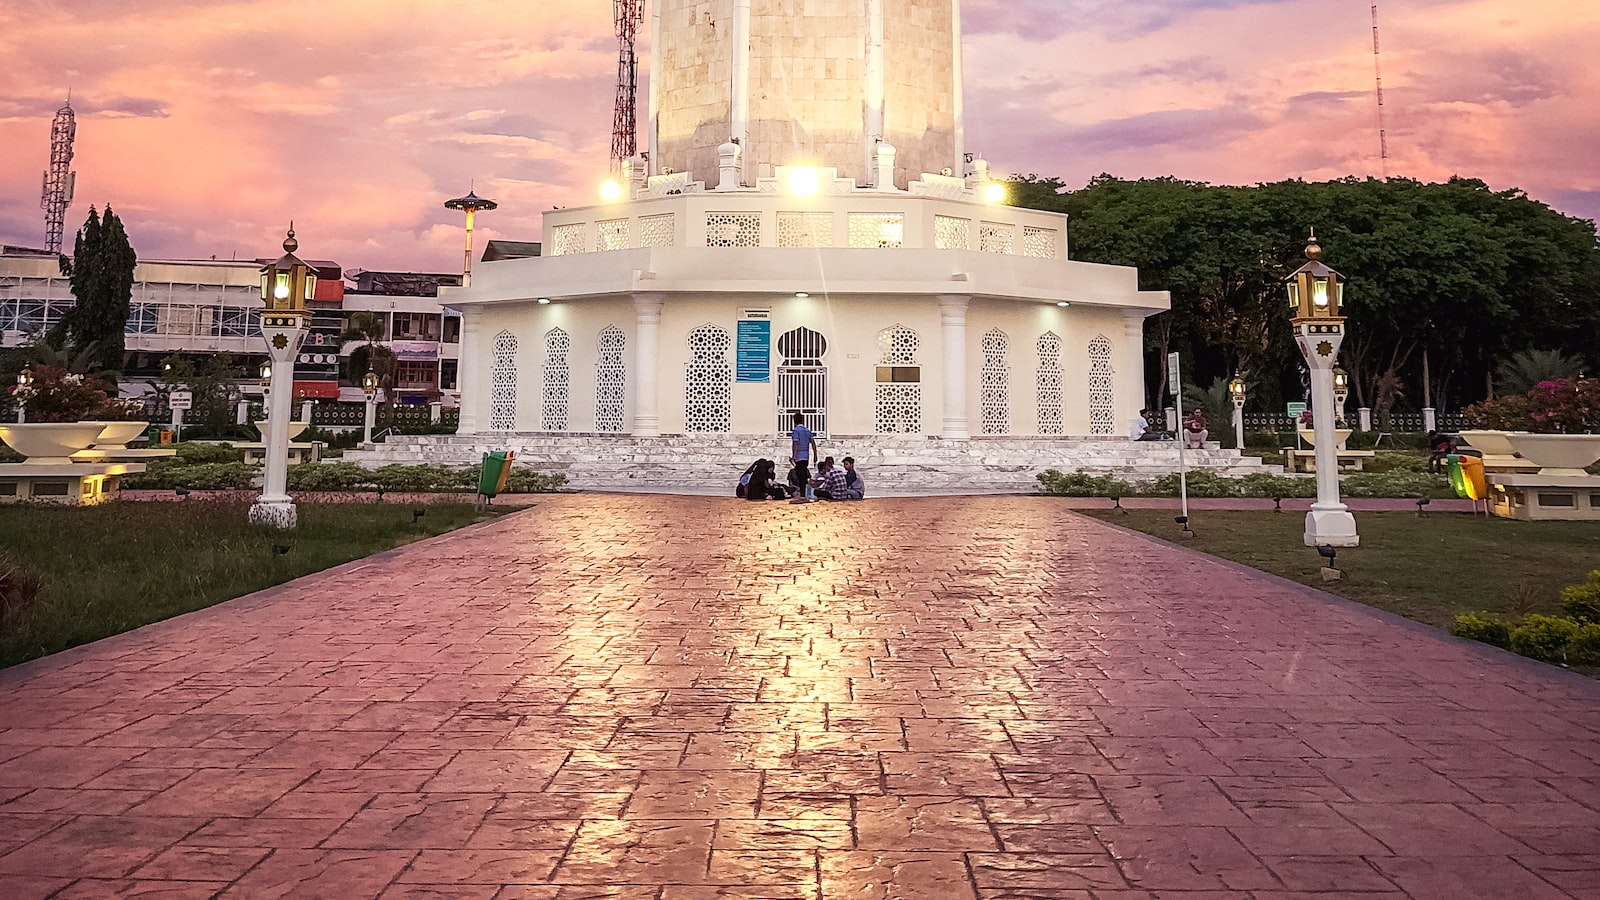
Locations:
417 514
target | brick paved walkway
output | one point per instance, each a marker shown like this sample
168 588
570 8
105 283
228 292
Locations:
646 698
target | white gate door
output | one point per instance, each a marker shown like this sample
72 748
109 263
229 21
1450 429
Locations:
802 380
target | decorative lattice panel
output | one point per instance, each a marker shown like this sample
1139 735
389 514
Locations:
877 230
613 234
565 239
733 229
950 233
503 383
1039 243
1102 387
899 408
996 237
557 380
610 380
658 231
1051 418
805 229
994 397
708 382
898 346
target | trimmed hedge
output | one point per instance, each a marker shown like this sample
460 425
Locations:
1484 627
1210 484
166 474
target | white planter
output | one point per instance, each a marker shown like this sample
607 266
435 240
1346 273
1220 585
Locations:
295 428
116 435
1340 435
1492 443
1558 454
50 443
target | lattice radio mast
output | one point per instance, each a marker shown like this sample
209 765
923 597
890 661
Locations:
625 126
59 179
1377 63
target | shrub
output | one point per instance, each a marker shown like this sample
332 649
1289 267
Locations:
412 479
19 593
1265 484
525 481
165 474
1201 484
329 477
194 454
1584 648
1395 484
1543 637
1386 462
1082 484
1582 601
1482 627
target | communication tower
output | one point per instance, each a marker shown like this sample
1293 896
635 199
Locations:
625 126
59 178
1377 63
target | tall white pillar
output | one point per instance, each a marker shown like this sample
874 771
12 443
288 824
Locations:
739 95
875 91
470 382
1131 394
646 361
1329 522
953 317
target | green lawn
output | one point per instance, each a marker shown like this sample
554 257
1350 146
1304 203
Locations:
112 568
1428 568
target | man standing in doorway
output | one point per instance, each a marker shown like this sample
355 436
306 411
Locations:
803 445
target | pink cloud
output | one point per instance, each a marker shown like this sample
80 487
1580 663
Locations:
210 124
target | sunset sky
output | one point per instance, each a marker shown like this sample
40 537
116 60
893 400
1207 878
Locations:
208 124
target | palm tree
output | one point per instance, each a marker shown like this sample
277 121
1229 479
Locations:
1519 374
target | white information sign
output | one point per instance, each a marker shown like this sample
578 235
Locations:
180 400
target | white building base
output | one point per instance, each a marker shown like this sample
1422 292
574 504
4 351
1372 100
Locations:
277 512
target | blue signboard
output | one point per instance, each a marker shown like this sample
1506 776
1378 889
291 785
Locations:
754 352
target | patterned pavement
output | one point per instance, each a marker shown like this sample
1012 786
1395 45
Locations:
652 698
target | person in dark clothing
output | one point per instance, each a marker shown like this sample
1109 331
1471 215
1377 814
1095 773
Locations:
764 483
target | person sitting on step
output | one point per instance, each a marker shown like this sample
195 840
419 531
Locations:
854 487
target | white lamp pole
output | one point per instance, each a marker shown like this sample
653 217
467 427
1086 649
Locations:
286 286
369 383
24 379
1236 392
1316 293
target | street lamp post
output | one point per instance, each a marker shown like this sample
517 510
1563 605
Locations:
369 383
1316 293
1341 391
286 286
1236 392
24 379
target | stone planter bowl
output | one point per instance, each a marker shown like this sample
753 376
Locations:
1558 454
295 429
1340 435
1492 443
50 443
116 435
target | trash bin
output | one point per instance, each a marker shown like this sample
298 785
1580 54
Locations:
158 435
1466 476
496 469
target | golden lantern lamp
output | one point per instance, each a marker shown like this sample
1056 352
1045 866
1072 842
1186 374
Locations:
369 383
288 284
1236 390
1316 292
1341 385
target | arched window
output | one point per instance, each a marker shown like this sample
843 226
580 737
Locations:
1051 419
557 380
610 380
994 398
1102 394
899 395
503 383
708 382
802 380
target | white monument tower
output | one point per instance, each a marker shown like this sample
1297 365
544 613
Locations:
805 232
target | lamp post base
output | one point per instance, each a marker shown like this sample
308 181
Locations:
275 513
1331 526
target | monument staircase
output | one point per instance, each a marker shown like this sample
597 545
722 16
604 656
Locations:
894 465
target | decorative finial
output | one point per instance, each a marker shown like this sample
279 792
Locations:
1314 249
290 245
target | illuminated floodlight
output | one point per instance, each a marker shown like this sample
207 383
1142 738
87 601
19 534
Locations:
611 191
995 192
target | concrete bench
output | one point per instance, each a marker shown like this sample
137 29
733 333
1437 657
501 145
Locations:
1306 460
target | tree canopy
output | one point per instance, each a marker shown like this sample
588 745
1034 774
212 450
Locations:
1446 279
100 272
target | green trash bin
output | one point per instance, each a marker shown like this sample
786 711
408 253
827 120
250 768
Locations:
496 469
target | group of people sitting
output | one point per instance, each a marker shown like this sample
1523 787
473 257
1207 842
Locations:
1196 430
832 482
760 481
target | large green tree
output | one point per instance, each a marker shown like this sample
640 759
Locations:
100 272
1446 281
